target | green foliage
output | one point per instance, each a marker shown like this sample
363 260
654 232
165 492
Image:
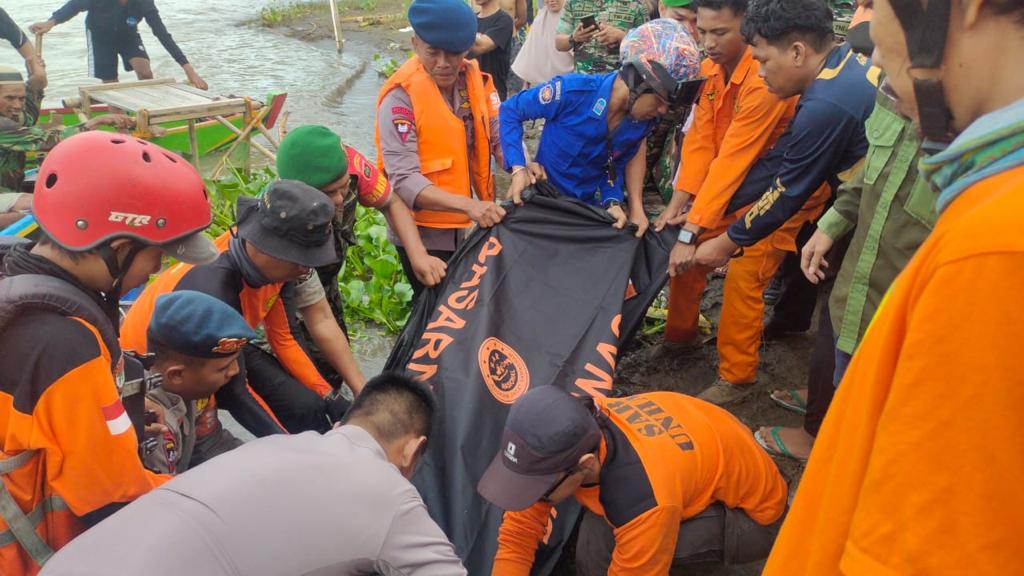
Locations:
385 67
368 5
276 14
373 285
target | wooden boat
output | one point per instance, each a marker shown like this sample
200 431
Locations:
211 135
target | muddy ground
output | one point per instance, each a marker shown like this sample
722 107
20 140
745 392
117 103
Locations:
784 363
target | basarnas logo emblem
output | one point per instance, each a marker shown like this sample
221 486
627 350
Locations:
547 94
599 106
504 371
510 453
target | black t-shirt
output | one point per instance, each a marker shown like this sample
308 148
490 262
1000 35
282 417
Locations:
10 31
498 27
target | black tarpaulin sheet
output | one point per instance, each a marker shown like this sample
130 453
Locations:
548 297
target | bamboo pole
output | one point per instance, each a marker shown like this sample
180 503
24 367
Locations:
193 143
39 44
258 119
334 23
259 147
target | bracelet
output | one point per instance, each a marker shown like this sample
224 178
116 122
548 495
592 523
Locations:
517 170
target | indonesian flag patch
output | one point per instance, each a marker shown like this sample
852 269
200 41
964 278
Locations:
117 419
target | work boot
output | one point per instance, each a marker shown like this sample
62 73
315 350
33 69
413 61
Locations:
722 392
774 290
776 329
666 350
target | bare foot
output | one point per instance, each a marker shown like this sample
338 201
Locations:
796 441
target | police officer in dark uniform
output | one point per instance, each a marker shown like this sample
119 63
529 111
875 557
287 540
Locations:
195 339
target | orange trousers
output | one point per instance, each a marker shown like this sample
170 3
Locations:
742 319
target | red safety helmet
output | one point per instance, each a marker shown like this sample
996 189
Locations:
98 186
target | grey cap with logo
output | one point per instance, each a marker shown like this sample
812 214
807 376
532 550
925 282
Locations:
547 432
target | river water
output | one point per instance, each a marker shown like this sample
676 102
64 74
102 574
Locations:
324 87
338 90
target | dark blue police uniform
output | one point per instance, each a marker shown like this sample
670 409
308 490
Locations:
575 147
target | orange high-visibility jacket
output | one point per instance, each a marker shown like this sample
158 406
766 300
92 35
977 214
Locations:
67 447
441 137
918 466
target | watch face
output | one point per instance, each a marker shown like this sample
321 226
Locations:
687 236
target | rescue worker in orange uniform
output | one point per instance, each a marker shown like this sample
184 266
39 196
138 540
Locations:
437 131
916 468
795 45
280 237
737 120
109 206
668 481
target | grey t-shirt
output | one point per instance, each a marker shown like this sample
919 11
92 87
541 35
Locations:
282 505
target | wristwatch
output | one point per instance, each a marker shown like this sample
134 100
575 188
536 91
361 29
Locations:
688 237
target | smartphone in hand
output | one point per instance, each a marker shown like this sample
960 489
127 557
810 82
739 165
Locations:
589 21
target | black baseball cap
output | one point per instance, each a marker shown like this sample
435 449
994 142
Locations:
546 433
291 221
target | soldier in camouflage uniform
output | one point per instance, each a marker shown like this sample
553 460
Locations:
19 109
596 50
842 14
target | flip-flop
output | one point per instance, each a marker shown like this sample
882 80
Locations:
782 450
794 404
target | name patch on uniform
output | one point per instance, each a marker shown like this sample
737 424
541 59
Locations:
546 94
403 127
401 111
649 420
599 106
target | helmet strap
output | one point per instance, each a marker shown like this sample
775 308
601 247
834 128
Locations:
118 270
925 29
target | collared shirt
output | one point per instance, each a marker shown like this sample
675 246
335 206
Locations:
891 210
172 452
17 139
575 145
592 57
399 144
825 138
736 121
299 504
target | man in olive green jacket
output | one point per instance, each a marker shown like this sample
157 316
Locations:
890 209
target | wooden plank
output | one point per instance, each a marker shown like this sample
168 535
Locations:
152 98
218 108
120 85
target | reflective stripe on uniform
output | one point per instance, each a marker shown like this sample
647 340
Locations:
21 527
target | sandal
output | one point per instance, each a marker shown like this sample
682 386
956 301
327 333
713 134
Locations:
780 449
795 403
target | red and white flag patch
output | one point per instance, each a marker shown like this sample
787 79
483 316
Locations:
117 419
